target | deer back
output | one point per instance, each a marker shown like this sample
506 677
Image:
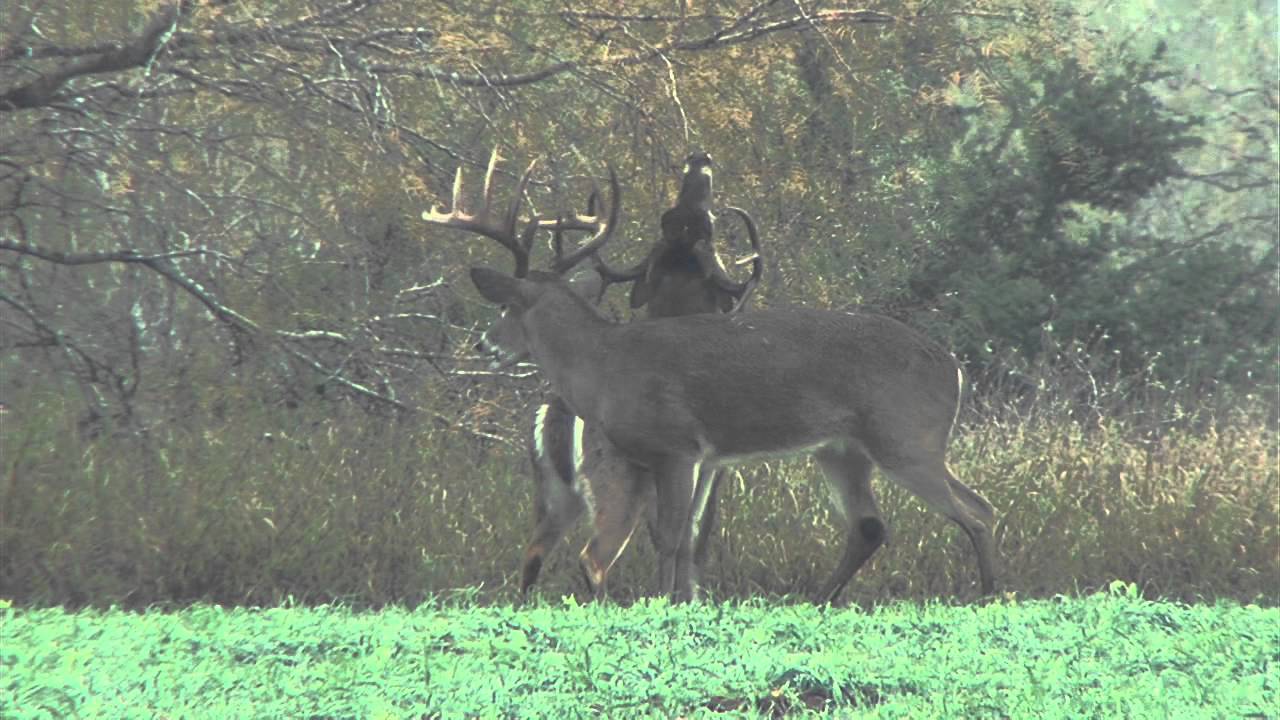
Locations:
766 382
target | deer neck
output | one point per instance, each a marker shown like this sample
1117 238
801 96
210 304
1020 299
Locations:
695 191
566 338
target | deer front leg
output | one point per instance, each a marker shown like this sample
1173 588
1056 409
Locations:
687 558
675 495
704 530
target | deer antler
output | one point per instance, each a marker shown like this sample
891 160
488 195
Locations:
483 222
608 274
742 291
602 229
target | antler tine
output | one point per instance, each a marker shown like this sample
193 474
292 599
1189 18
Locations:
456 200
482 222
583 222
513 210
531 229
487 192
557 240
743 290
589 222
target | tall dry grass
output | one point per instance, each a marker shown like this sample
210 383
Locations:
261 506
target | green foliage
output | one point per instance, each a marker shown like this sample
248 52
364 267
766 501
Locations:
1027 202
1016 177
1103 139
1111 196
1098 656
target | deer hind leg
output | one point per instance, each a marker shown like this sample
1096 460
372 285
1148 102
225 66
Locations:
976 504
621 491
933 483
848 474
558 499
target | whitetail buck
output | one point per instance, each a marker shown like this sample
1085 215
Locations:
681 275
678 397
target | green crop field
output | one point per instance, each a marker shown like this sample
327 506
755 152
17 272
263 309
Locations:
1106 655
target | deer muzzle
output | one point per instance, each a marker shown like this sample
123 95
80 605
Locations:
499 357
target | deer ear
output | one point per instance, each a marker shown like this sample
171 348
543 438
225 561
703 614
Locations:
499 288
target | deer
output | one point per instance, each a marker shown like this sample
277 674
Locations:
678 277
674 399
686 256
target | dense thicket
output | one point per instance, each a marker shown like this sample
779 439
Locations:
214 280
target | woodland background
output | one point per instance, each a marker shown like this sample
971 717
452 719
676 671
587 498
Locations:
235 365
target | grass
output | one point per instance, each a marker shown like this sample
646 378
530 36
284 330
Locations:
311 506
1106 655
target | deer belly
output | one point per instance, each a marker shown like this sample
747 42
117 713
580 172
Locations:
746 448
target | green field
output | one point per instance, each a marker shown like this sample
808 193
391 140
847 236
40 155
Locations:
1106 655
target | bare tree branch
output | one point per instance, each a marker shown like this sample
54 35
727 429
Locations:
135 53
123 256
732 35
156 263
